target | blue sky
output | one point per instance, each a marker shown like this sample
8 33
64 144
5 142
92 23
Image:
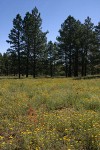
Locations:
53 14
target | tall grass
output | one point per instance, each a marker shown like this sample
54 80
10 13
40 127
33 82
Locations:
49 114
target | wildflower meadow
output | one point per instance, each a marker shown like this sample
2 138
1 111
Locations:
49 114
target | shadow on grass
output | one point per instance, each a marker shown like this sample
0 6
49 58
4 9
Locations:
87 77
7 77
31 77
48 77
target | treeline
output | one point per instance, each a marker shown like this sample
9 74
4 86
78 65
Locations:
76 52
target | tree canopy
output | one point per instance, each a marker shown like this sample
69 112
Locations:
76 51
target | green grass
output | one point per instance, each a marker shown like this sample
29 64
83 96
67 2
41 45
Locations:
49 114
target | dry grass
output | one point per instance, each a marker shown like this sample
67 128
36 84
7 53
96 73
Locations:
49 114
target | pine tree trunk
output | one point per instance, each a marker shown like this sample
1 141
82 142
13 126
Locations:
66 66
34 66
83 59
66 69
18 57
27 65
76 64
85 70
51 73
70 65
34 58
19 64
85 64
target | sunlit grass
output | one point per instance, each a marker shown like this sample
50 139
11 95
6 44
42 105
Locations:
49 114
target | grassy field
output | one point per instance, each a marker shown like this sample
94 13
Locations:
49 114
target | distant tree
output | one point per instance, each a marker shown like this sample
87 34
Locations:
55 58
5 63
15 39
13 62
50 55
1 65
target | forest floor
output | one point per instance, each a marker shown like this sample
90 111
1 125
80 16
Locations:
49 114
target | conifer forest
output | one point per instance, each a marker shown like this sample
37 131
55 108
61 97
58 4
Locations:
76 51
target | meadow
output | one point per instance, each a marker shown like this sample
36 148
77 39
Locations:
49 114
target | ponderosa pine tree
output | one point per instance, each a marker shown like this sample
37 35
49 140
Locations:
87 43
96 54
15 38
76 48
66 43
38 38
27 38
